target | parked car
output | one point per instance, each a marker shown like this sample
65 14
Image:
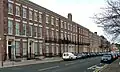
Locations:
79 55
106 58
84 55
69 56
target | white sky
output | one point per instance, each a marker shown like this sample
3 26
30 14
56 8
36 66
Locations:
81 10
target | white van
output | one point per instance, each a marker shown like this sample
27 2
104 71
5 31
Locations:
68 56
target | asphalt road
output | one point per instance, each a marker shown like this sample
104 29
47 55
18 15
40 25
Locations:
80 65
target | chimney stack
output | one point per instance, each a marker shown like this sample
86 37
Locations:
70 16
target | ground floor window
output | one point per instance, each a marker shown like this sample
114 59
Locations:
47 49
36 51
53 49
41 48
24 48
62 48
17 48
57 49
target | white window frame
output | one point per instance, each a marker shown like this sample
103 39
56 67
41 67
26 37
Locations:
47 18
25 29
40 32
17 33
31 30
35 31
65 25
35 15
52 20
30 15
10 29
10 8
57 22
61 22
17 10
24 10
40 17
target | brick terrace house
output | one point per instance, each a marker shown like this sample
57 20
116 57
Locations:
28 30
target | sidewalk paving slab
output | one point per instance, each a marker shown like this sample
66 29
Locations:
28 62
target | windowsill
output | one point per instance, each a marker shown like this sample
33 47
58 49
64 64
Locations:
40 21
24 17
17 15
30 36
10 34
35 20
30 19
10 13
40 38
35 37
17 35
24 36
47 22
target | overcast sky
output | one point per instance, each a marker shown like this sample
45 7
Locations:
81 10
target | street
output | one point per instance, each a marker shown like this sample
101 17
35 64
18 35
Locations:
80 65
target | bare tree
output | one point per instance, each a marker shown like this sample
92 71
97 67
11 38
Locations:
109 19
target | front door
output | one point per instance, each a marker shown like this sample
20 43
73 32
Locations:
9 52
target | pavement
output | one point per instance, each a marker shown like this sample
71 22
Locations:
79 65
113 67
28 62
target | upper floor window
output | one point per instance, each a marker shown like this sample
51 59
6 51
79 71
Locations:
17 11
40 32
35 31
76 28
71 36
65 25
24 29
61 35
76 38
40 17
30 14
71 27
68 26
57 22
47 32
52 33
52 20
10 8
57 35
17 28
35 16
47 18
10 27
61 24
65 35
30 30
24 13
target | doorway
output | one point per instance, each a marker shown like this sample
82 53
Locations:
9 52
9 49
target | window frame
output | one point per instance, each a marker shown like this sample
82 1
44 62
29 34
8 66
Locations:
24 14
10 27
10 8
17 11
17 29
